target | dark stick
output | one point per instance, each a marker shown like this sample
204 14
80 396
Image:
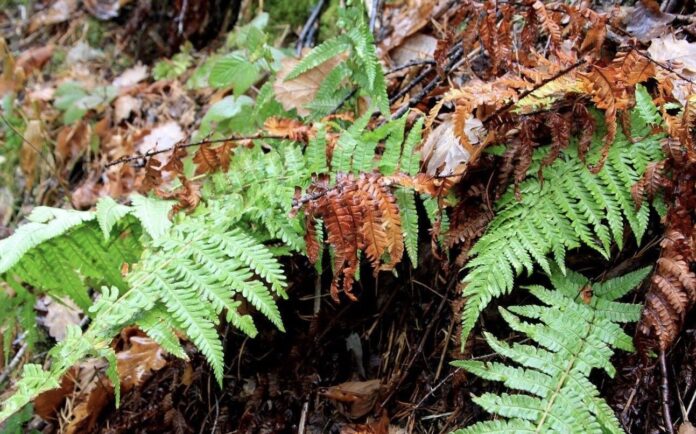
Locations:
409 65
665 393
455 56
313 17
149 154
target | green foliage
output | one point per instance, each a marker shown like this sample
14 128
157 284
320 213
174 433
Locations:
550 377
75 101
568 208
361 65
64 252
169 69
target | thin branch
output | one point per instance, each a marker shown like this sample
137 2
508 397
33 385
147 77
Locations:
665 394
149 154
307 29
409 65
376 6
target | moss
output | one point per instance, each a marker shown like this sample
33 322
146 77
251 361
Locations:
327 22
294 13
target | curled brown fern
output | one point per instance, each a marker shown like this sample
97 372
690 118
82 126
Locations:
672 293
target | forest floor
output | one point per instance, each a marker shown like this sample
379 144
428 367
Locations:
378 365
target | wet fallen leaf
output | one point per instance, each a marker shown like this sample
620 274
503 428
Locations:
298 92
355 398
60 314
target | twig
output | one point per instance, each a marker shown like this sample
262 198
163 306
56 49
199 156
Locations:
409 65
343 101
665 394
149 154
13 364
313 18
303 418
376 6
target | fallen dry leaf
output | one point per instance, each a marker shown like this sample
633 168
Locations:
443 151
104 9
35 58
298 92
406 19
161 137
647 23
124 106
32 144
355 398
47 403
680 55
60 314
59 11
687 428
417 47
131 76
136 364
72 142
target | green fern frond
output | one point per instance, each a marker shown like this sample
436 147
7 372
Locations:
320 54
648 112
63 251
572 338
570 207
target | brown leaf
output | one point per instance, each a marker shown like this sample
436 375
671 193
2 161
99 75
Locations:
60 314
164 136
298 92
209 159
35 58
136 364
131 76
59 11
358 397
32 144
444 152
104 9
647 22
417 47
47 403
124 106
289 128
72 142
